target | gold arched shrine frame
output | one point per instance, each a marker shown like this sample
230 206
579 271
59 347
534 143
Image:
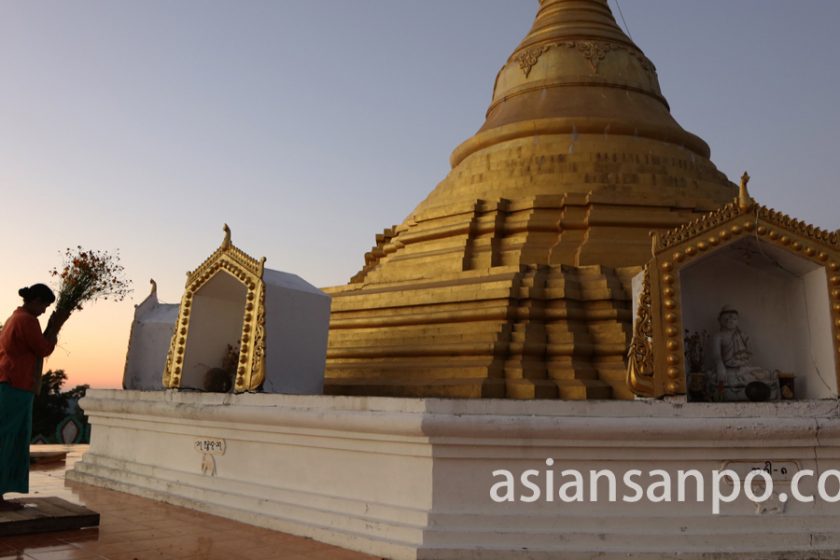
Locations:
250 371
656 361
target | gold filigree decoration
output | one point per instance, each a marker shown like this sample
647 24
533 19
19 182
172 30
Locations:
742 205
700 225
251 370
645 62
640 356
529 57
167 368
593 51
781 220
258 361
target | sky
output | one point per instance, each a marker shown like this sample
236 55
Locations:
308 127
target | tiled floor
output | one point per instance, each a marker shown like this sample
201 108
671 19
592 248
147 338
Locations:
134 528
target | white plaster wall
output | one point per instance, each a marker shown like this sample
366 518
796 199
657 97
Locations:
216 318
151 333
297 318
816 349
147 356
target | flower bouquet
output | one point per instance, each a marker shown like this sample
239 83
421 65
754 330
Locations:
85 276
88 275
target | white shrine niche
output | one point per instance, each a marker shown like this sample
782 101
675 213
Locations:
780 274
151 332
783 306
217 311
247 328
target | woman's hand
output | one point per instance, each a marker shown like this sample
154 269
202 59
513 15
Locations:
61 316
55 322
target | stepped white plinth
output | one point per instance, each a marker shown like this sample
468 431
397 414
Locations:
411 478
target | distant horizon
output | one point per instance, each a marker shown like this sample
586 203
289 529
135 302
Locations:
310 127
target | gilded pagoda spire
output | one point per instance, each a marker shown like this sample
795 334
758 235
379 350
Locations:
577 111
577 72
508 279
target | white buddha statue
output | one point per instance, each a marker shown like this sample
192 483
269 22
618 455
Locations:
736 379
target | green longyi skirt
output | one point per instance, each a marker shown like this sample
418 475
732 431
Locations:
15 433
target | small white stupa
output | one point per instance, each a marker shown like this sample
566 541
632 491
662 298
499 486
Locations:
151 333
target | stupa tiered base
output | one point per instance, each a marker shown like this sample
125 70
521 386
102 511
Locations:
517 331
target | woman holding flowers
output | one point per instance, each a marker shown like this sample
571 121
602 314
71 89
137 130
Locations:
22 349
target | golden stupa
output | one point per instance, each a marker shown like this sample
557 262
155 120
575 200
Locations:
512 278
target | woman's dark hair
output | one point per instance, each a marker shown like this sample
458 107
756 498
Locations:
37 291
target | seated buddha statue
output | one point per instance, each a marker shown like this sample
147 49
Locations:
735 377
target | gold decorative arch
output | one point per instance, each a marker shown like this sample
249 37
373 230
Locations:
250 371
656 360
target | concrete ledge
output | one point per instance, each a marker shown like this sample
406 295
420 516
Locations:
411 478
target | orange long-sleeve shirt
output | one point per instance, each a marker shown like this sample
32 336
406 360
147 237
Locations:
22 344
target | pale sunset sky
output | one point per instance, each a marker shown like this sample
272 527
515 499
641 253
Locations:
309 126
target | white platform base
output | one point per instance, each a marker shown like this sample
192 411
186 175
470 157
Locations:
411 478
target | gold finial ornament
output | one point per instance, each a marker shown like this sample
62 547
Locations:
745 201
226 241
